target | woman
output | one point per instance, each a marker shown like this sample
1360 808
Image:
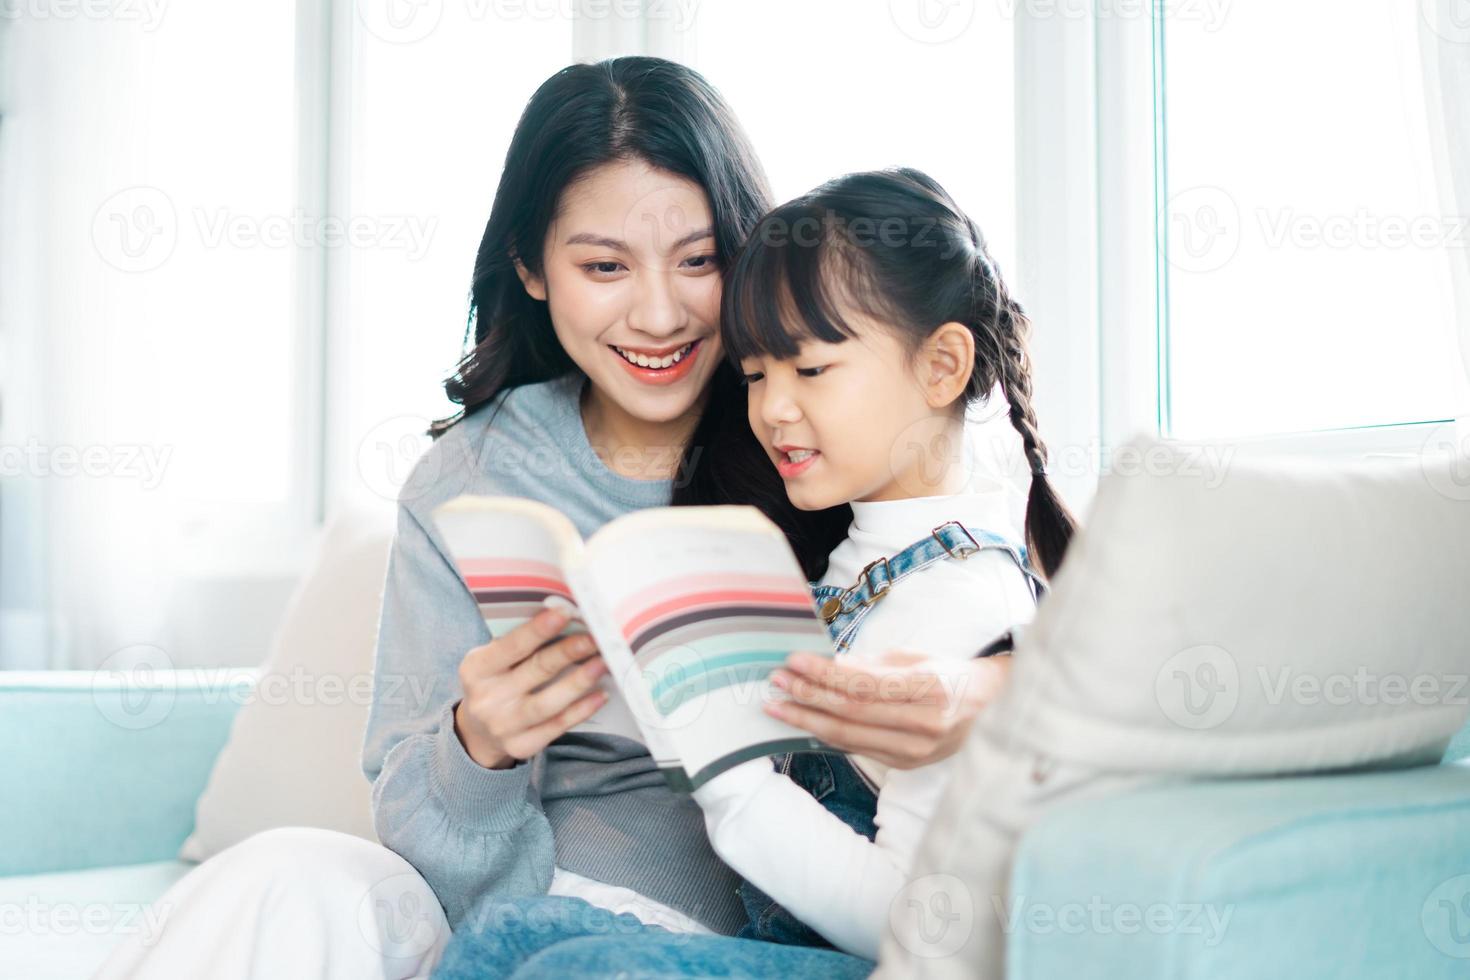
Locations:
594 384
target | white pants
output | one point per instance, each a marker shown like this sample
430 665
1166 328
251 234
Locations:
292 902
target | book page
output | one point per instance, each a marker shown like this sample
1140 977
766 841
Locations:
709 600
512 554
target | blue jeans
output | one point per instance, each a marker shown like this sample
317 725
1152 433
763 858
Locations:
553 936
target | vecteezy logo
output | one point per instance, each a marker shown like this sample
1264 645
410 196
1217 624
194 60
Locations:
932 21
1450 19
1198 688
677 688
136 229
135 687
927 456
1445 460
389 458
400 21
1445 917
397 918
1203 229
663 219
932 916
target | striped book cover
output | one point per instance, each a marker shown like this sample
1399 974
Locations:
691 607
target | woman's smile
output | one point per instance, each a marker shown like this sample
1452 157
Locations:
663 366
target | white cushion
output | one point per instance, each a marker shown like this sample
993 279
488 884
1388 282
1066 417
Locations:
1215 616
294 753
1257 617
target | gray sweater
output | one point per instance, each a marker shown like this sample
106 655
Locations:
592 804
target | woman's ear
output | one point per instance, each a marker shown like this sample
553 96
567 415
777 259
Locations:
535 285
946 361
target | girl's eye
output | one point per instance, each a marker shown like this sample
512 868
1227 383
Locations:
811 372
701 262
751 379
603 268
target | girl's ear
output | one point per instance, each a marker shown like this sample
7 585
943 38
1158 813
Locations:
535 285
945 363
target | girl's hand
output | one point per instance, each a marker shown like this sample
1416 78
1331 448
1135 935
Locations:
897 712
514 703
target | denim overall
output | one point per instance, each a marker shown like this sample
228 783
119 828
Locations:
832 778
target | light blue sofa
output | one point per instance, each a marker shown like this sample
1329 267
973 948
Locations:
1363 875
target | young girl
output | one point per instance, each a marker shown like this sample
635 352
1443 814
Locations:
866 317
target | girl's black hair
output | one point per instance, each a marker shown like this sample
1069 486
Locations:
585 116
894 246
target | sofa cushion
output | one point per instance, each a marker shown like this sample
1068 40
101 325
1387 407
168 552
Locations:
104 767
1347 876
1273 615
294 757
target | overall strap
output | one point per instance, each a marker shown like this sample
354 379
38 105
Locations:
950 540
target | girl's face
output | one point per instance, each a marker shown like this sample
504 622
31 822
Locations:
834 418
633 287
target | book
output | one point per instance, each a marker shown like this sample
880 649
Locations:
692 609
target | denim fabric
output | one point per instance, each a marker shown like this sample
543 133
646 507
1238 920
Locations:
500 934
557 937
833 779
947 541
666 956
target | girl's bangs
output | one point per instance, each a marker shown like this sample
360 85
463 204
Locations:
785 291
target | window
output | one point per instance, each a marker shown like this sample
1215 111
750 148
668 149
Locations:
149 242
435 96
827 89
1309 275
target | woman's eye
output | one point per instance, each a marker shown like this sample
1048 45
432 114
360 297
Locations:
701 262
751 379
811 372
603 268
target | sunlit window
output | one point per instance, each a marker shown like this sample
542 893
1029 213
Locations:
826 88
1309 252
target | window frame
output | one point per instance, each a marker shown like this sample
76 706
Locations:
1130 343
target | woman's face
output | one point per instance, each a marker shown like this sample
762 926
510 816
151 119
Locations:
632 284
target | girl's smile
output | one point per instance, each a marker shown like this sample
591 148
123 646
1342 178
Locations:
792 461
857 398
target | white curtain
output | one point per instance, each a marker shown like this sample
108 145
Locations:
81 562
145 375
190 363
1445 45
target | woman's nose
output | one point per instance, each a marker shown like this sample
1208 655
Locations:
657 310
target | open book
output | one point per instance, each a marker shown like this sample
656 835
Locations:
691 607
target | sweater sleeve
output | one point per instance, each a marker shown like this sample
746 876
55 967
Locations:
470 831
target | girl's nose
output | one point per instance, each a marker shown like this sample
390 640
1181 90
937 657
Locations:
777 406
657 310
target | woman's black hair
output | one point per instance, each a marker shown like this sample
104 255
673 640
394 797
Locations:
585 116
892 245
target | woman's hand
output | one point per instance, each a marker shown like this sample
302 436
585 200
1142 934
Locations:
895 711
512 708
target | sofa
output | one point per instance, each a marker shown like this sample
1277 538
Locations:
1330 876
113 781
